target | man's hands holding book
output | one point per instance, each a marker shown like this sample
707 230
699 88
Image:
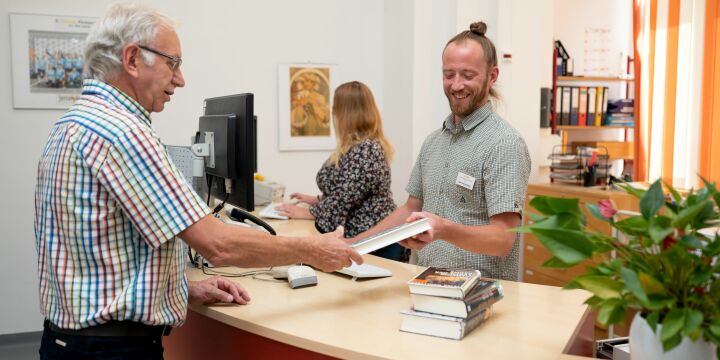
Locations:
328 252
419 241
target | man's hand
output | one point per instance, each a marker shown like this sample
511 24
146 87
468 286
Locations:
308 199
419 241
216 289
328 252
294 211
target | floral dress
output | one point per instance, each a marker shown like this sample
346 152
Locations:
356 193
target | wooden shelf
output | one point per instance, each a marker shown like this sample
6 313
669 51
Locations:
594 78
575 127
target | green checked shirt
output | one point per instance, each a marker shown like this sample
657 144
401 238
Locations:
467 174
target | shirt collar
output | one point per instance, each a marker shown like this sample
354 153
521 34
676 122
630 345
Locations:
116 97
470 121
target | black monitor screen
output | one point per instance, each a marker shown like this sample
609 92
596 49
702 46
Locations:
242 153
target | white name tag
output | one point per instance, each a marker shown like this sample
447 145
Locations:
465 181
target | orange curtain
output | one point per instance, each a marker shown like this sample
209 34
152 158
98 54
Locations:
677 91
644 23
710 126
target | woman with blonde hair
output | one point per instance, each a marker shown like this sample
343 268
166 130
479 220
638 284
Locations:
355 180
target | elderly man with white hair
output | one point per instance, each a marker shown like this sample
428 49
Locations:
110 206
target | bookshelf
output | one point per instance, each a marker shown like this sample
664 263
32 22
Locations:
594 78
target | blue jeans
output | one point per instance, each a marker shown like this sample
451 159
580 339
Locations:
62 346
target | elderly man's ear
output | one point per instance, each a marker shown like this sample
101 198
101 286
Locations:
130 57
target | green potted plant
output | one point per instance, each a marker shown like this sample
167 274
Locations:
662 262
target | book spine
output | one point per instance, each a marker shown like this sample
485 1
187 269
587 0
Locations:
473 322
483 300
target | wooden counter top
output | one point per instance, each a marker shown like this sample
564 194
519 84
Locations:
361 320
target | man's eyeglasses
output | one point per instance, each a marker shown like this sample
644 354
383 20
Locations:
174 61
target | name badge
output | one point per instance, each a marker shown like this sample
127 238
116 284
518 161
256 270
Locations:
465 181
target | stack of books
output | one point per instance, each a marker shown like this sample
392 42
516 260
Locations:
449 303
620 113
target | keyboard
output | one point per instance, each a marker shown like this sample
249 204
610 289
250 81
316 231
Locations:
365 271
269 212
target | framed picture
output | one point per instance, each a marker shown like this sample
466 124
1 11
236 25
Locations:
305 101
47 59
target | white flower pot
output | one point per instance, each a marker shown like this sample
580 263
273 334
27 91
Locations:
646 345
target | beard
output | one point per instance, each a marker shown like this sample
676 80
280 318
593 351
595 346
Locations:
466 106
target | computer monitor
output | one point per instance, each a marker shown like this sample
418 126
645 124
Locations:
233 119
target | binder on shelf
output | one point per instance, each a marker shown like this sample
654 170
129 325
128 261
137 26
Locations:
574 105
605 104
592 107
566 97
598 105
582 106
558 105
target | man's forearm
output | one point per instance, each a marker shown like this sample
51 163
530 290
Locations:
488 239
238 246
494 239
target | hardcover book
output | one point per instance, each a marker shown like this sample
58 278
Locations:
391 236
444 282
440 325
483 295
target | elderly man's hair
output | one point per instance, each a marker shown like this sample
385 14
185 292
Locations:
124 23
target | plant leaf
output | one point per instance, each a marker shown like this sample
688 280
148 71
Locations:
633 225
570 246
715 328
700 275
715 194
652 201
672 324
651 285
566 221
602 286
686 215
659 228
691 241
652 320
594 301
552 205
632 283
693 320
659 302
675 195
611 312
672 342
638 193
554 262
534 217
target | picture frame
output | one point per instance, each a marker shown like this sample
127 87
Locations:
47 59
305 92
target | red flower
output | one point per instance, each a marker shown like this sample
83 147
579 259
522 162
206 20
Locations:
667 242
700 290
606 208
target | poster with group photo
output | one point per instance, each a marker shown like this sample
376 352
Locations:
47 59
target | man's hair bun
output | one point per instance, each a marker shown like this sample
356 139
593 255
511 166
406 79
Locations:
478 28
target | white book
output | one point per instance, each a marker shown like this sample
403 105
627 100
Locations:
440 325
391 236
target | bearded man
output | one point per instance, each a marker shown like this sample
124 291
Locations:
471 176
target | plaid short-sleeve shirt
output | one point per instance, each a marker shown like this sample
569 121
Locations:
108 204
467 174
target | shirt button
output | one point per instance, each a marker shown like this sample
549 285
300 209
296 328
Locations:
446 165
442 191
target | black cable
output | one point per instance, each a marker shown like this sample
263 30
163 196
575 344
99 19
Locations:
220 207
